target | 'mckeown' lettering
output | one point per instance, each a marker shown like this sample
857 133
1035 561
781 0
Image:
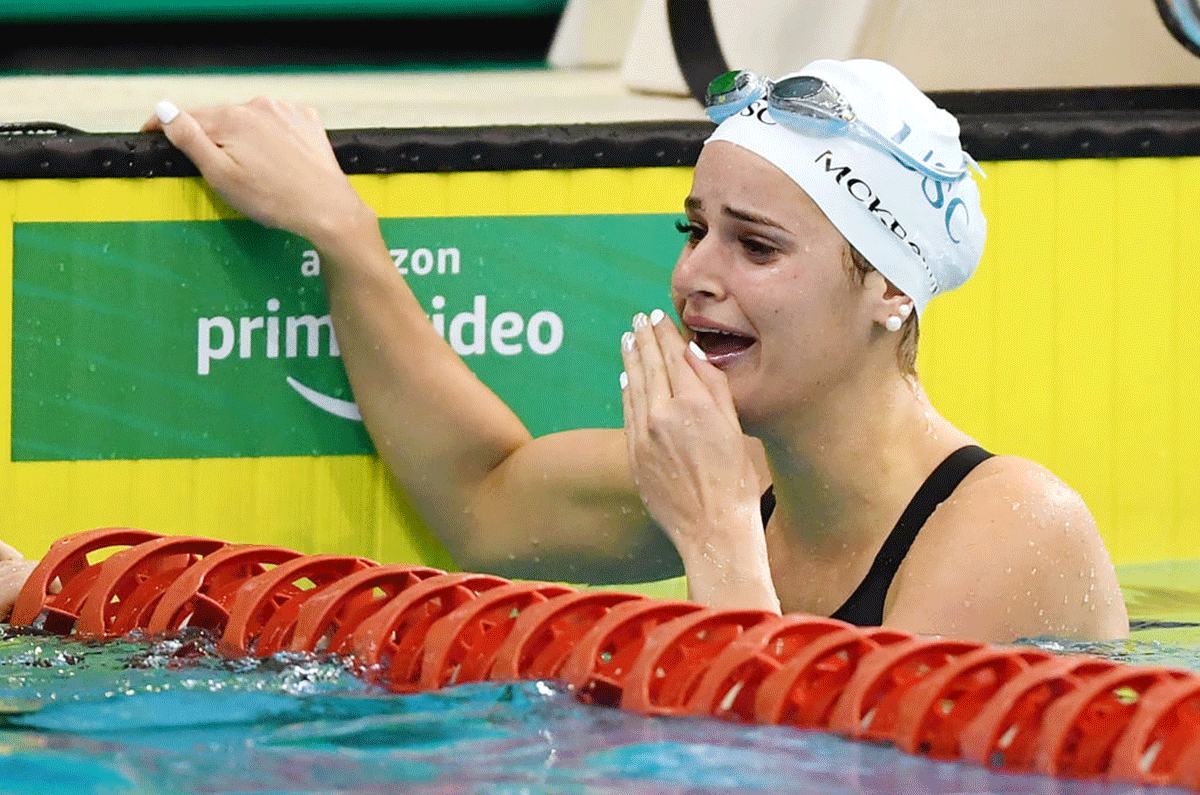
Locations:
861 192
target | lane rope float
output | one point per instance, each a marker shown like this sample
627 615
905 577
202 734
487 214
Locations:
409 628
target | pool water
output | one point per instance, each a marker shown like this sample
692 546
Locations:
171 715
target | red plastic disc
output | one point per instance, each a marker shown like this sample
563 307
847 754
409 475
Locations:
461 646
868 706
1080 729
263 611
67 563
676 656
327 619
1005 732
390 644
200 596
803 691
1186 771
596 669
545 634
1167 720
131 582
730 684
931 718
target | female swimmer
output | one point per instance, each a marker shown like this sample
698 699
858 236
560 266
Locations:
822 219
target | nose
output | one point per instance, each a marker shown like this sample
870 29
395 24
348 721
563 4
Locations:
698 272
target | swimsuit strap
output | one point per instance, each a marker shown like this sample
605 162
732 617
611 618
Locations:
865 606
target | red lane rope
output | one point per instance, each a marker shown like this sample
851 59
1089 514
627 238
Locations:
410 628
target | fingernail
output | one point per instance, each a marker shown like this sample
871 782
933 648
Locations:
697 352
166 111
656 317
627 340
639 320
624 379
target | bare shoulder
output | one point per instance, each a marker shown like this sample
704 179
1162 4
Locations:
1014 552
1006 484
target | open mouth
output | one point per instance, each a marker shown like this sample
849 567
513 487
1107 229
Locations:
720 345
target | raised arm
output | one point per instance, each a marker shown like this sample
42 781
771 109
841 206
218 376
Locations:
559 507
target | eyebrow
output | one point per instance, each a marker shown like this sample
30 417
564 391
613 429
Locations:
694 204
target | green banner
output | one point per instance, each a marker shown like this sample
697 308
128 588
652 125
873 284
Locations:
191 339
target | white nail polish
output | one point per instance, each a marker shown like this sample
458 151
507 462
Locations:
656 317
624 379
639 320
627 340
166 111
697 352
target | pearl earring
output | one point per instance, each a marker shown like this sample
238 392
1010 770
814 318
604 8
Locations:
893 323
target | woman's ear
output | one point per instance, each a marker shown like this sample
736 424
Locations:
890 306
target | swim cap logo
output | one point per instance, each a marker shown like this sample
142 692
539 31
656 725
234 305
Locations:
862 192
952 207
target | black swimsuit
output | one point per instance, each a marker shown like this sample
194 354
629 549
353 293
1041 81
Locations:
865 606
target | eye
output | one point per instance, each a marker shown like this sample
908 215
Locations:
693 230
757 248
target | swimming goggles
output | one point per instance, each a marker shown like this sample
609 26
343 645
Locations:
811 106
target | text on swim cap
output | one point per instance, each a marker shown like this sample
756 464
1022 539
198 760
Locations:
952 207
861 192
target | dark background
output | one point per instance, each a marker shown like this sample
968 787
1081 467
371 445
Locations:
276 44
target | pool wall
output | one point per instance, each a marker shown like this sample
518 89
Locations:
125 279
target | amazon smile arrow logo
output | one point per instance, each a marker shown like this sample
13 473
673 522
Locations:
346 409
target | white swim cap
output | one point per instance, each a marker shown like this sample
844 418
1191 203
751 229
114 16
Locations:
923 233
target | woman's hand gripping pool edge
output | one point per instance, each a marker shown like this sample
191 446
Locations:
689 460
270 160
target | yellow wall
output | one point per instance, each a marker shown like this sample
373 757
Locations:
1072 346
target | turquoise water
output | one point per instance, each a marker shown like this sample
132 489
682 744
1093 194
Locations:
173 716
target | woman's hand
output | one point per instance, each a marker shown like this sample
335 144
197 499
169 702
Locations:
270 160
689 460
14 571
